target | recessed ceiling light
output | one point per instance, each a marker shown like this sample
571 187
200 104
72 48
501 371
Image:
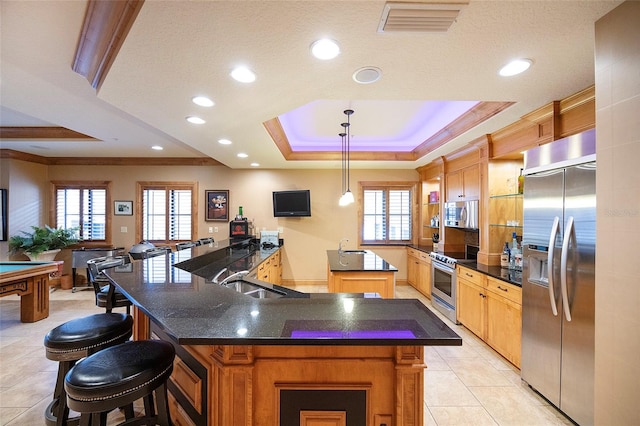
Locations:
367 75
515 67
202 101
243 75
224 142
255 164
157 147
195 120
325 49
242 155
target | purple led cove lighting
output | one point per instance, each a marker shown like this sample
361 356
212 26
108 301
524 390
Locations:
399 126
358 334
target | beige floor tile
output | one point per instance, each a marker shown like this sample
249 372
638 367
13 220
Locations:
445 389
9 414
508 405
459 416
477 372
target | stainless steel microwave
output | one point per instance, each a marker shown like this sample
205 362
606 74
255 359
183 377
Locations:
461 214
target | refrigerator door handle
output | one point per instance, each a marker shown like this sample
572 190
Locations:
569 234
552 242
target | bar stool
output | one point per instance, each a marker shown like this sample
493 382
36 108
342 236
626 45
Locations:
118 376
101 284
74 340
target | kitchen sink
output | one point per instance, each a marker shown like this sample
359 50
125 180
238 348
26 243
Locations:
354 251
252 290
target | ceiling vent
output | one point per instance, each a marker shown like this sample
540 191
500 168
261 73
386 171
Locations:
419 17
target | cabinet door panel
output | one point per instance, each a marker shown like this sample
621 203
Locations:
470 310
504 327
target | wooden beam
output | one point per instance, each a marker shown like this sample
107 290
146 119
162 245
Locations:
106 25
42 132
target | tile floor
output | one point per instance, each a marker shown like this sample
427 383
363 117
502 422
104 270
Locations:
467 385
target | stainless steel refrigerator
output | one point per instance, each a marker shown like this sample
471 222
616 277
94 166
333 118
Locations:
558 286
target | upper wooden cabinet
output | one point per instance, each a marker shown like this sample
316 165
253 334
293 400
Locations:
463 184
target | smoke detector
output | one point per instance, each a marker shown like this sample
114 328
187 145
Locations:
419 17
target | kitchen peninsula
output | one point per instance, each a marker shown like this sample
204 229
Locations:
360 271
294 359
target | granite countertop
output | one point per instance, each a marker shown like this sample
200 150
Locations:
507 275
193 310
358 261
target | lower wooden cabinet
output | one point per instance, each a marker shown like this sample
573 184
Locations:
419 271
271 269
492 310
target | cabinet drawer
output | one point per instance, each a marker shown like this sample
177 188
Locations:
178 416
188 382
425 257
506 290
413 252
478 278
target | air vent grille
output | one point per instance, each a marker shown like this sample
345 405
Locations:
419 17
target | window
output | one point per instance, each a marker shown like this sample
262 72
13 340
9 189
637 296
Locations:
387 212
167 212
83 205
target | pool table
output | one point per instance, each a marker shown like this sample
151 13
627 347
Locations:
30 280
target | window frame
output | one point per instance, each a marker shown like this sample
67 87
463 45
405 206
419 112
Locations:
412 186
143 185
83 184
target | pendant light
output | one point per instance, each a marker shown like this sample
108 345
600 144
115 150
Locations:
347 196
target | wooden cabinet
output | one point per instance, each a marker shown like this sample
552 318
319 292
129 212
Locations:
492 310
271 269
419 271
471 311
504 311
463 184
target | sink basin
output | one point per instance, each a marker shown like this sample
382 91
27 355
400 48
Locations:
354 251
252 290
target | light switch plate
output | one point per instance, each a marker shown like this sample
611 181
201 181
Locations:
123 229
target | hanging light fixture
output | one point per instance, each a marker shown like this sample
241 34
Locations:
347 196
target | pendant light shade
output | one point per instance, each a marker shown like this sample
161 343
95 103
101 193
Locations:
347 196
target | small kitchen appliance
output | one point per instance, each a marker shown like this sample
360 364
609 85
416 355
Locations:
269 239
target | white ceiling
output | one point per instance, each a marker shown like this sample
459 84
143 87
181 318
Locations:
178 49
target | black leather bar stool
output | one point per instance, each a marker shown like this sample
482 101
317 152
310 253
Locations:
107 297
118 376
74 340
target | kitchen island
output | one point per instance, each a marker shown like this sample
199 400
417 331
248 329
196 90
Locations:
360 271
294 359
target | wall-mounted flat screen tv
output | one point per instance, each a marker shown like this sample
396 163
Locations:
294 203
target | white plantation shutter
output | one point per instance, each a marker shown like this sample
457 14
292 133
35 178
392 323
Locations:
82 207
386 215
180 215
167 214
154 215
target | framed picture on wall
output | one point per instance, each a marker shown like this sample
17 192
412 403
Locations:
123 208
217 207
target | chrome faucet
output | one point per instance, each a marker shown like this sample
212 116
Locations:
215 279
340 249
234 277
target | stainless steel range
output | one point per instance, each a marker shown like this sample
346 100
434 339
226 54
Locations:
443 284
444 279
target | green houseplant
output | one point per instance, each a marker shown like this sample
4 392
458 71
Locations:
42 240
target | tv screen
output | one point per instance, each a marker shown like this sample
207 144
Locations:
291 203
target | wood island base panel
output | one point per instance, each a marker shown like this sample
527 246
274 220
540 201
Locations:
280 385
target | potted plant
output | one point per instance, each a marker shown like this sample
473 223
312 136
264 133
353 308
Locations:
43 243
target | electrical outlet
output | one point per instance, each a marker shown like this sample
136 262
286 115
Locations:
215 229
211 229
123 229
280 230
